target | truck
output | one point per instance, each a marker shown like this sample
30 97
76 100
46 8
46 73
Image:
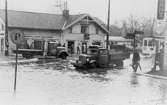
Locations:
53 51
101 57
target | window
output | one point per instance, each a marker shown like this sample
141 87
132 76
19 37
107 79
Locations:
83 29
150 43
96 43
103 52
145 42
92 51
70 29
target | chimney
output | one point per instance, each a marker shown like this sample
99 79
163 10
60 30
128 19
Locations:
66 13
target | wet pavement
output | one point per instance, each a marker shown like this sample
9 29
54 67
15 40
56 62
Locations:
57 82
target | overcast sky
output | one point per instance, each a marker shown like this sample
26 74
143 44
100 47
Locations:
120 9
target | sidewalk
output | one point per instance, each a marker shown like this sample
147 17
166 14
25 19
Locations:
158 74
155 74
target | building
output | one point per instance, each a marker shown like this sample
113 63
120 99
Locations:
39 29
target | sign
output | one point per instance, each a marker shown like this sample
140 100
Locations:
161 9
17 37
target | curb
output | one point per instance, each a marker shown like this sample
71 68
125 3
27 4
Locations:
153 76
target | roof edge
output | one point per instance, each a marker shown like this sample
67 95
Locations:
75 21
35 28
82 18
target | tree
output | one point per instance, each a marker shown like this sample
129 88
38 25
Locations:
144 24
144 27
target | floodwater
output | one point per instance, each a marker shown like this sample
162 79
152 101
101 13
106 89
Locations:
57 82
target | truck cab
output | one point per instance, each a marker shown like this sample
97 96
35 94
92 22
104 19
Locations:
54 49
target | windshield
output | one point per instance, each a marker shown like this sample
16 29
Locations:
52 45
92 51
103 52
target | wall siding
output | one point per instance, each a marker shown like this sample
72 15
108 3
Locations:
78 38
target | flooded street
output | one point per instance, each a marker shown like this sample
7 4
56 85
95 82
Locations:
59 83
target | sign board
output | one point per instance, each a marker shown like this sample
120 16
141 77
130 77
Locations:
161 9
17 37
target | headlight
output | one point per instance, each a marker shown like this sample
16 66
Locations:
87 59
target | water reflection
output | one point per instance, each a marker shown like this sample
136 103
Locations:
59 80
64 66
134 80
52 64
96 74
163 93
93 71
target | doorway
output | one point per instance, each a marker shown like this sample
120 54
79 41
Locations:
84 47
70 47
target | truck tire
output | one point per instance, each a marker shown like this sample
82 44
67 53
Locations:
63 55
93 65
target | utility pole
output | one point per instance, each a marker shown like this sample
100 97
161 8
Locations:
108 29
6 30
108 25
156 46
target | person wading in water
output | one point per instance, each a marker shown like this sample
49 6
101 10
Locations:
136 61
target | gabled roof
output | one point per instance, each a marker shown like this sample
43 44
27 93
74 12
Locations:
114 30
34 20
73 19
96 20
